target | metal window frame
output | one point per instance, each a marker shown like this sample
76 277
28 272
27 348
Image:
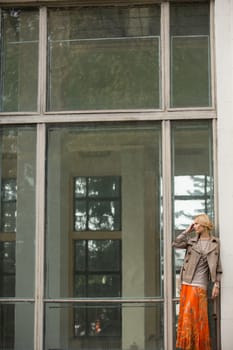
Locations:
165 115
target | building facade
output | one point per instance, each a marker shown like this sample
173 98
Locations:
116 130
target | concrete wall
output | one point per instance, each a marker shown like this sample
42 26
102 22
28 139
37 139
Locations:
224 75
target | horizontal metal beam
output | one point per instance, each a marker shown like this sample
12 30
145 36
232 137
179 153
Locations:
105 300
106 116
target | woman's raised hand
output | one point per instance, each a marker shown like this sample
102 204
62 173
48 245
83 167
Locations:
189 229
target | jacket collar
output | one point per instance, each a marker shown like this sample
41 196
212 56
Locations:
213 242
213 239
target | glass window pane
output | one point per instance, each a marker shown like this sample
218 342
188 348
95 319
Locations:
17 211
104 326
17 326
192 179
104 58
131 154
102 256
190 55
20 29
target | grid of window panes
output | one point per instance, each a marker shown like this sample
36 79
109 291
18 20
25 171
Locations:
97 203
97 274
100 58
106 58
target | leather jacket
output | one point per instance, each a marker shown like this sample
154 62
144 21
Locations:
193 256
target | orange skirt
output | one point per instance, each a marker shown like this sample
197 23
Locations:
193 324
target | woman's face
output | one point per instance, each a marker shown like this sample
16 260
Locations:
199 229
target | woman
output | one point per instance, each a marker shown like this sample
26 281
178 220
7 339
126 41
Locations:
201 265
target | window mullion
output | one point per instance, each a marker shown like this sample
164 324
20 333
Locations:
167 235
215 171
212 55
39 241
42 61
216 215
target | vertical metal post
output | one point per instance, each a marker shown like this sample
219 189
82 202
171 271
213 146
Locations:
216 221
166 170
215 171
167 238
40 186
1 180
212 57
39 240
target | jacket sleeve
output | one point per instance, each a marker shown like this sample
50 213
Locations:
219 266
219 271
181 241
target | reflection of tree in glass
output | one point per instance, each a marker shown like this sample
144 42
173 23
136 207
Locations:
193 195
8 205
80 220
102 215
80 187
104 254
9 190
97 203
201 185
103 186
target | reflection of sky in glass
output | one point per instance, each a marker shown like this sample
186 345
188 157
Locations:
192 197
191 185
185 210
